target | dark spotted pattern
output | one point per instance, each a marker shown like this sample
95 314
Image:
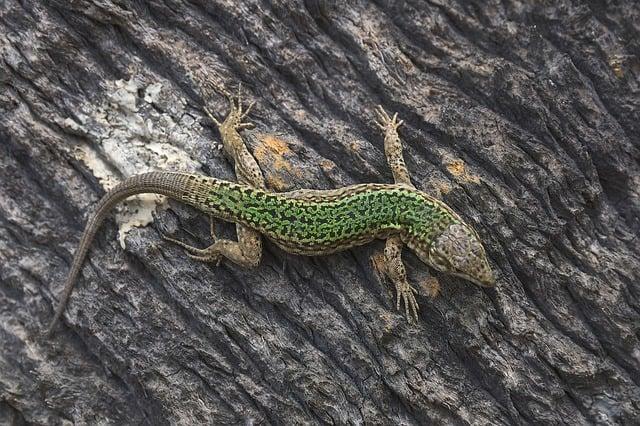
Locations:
312 222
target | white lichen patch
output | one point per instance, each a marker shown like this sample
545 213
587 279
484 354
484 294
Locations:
126 135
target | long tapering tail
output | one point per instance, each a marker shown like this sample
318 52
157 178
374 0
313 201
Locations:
174 185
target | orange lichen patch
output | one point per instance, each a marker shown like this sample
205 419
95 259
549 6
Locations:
272 155
277 183
431 287
443 187
275 145
457 168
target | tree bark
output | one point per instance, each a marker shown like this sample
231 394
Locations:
522 116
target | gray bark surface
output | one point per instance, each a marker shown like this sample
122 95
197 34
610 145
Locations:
522 116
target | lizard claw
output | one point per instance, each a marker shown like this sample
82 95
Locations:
208 254
190 249
236 113
209 257
385 122
405 294
211 116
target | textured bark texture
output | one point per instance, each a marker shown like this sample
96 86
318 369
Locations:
522 116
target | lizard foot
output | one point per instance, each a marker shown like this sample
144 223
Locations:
236 113
406 293
208 254
385 122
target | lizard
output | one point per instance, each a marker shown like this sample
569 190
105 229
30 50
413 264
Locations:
308 221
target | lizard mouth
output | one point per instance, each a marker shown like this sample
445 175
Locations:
487 280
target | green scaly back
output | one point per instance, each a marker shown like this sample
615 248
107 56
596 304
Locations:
333 220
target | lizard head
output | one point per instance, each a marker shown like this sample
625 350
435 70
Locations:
458 251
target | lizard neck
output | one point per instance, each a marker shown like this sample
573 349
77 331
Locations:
425 222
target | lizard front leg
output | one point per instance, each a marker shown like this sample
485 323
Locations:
247 251
390 264
392 146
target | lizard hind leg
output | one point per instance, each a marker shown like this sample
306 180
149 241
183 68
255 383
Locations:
204 255
244 253
247 251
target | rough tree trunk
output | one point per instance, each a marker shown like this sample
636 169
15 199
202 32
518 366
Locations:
522 116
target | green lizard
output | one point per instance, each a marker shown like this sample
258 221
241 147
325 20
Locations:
309 222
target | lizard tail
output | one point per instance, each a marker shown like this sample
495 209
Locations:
174 185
